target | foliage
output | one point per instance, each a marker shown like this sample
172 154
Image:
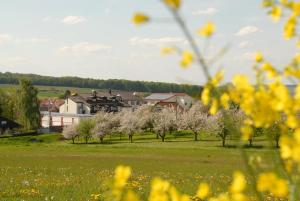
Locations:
194 119
27 106
130 123
262 104
165 122
70 132
126 85
85 129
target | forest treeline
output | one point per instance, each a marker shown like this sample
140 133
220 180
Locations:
115 84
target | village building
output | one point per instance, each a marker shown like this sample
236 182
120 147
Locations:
81 106
173 100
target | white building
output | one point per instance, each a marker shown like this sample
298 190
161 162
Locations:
170 99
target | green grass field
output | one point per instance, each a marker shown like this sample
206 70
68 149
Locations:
45 166
47 91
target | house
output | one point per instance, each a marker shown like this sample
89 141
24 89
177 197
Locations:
51 104
7 124
181 100
81 106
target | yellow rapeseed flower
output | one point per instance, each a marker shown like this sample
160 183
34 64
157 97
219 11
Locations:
239 183
276 13
225 100
207 30
168 50
122 174
214 107
140 18
203 191
187 59
175 4
258 57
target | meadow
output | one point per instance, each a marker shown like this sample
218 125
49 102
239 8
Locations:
46 167
48 91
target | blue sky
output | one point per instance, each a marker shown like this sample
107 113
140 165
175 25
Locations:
95 38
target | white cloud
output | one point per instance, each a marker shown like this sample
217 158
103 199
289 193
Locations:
156 41
243 44
208 11
248 56
71 20
32 40
84 47
247 30
5 38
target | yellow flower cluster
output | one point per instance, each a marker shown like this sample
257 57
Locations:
210 95
162 190
276 13
269 182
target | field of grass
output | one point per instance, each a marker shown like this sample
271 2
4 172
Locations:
45 166
48 91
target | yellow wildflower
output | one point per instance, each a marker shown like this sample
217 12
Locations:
239 183
225 100
269 182
167 50
258 57
122 173
205 96
214 107
207 30
140 18
187 59
203 191
247 132
276 13
175 4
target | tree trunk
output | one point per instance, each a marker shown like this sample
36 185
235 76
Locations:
250 142
157 136
86 140
223 142
196 136
73 140
162 138
277 142
130 137
101 140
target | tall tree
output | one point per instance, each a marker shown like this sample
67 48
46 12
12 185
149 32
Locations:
27 105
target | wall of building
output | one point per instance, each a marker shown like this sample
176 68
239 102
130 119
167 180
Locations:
71 107
60 119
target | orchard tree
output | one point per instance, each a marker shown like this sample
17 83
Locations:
194 120
130 123
104 125
85 129
146 117
165 122
225 124
27 105
70 132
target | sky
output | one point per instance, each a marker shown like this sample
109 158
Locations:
96 39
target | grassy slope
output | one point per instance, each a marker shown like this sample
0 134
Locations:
58 168
48 91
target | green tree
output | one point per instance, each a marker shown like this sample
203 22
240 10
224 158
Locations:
85 129
27 105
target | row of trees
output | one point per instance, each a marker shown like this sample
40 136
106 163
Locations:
166 121
21 105
126 85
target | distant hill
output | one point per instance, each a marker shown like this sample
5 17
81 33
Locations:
115 84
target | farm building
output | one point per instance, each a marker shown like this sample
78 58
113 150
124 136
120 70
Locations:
181 100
